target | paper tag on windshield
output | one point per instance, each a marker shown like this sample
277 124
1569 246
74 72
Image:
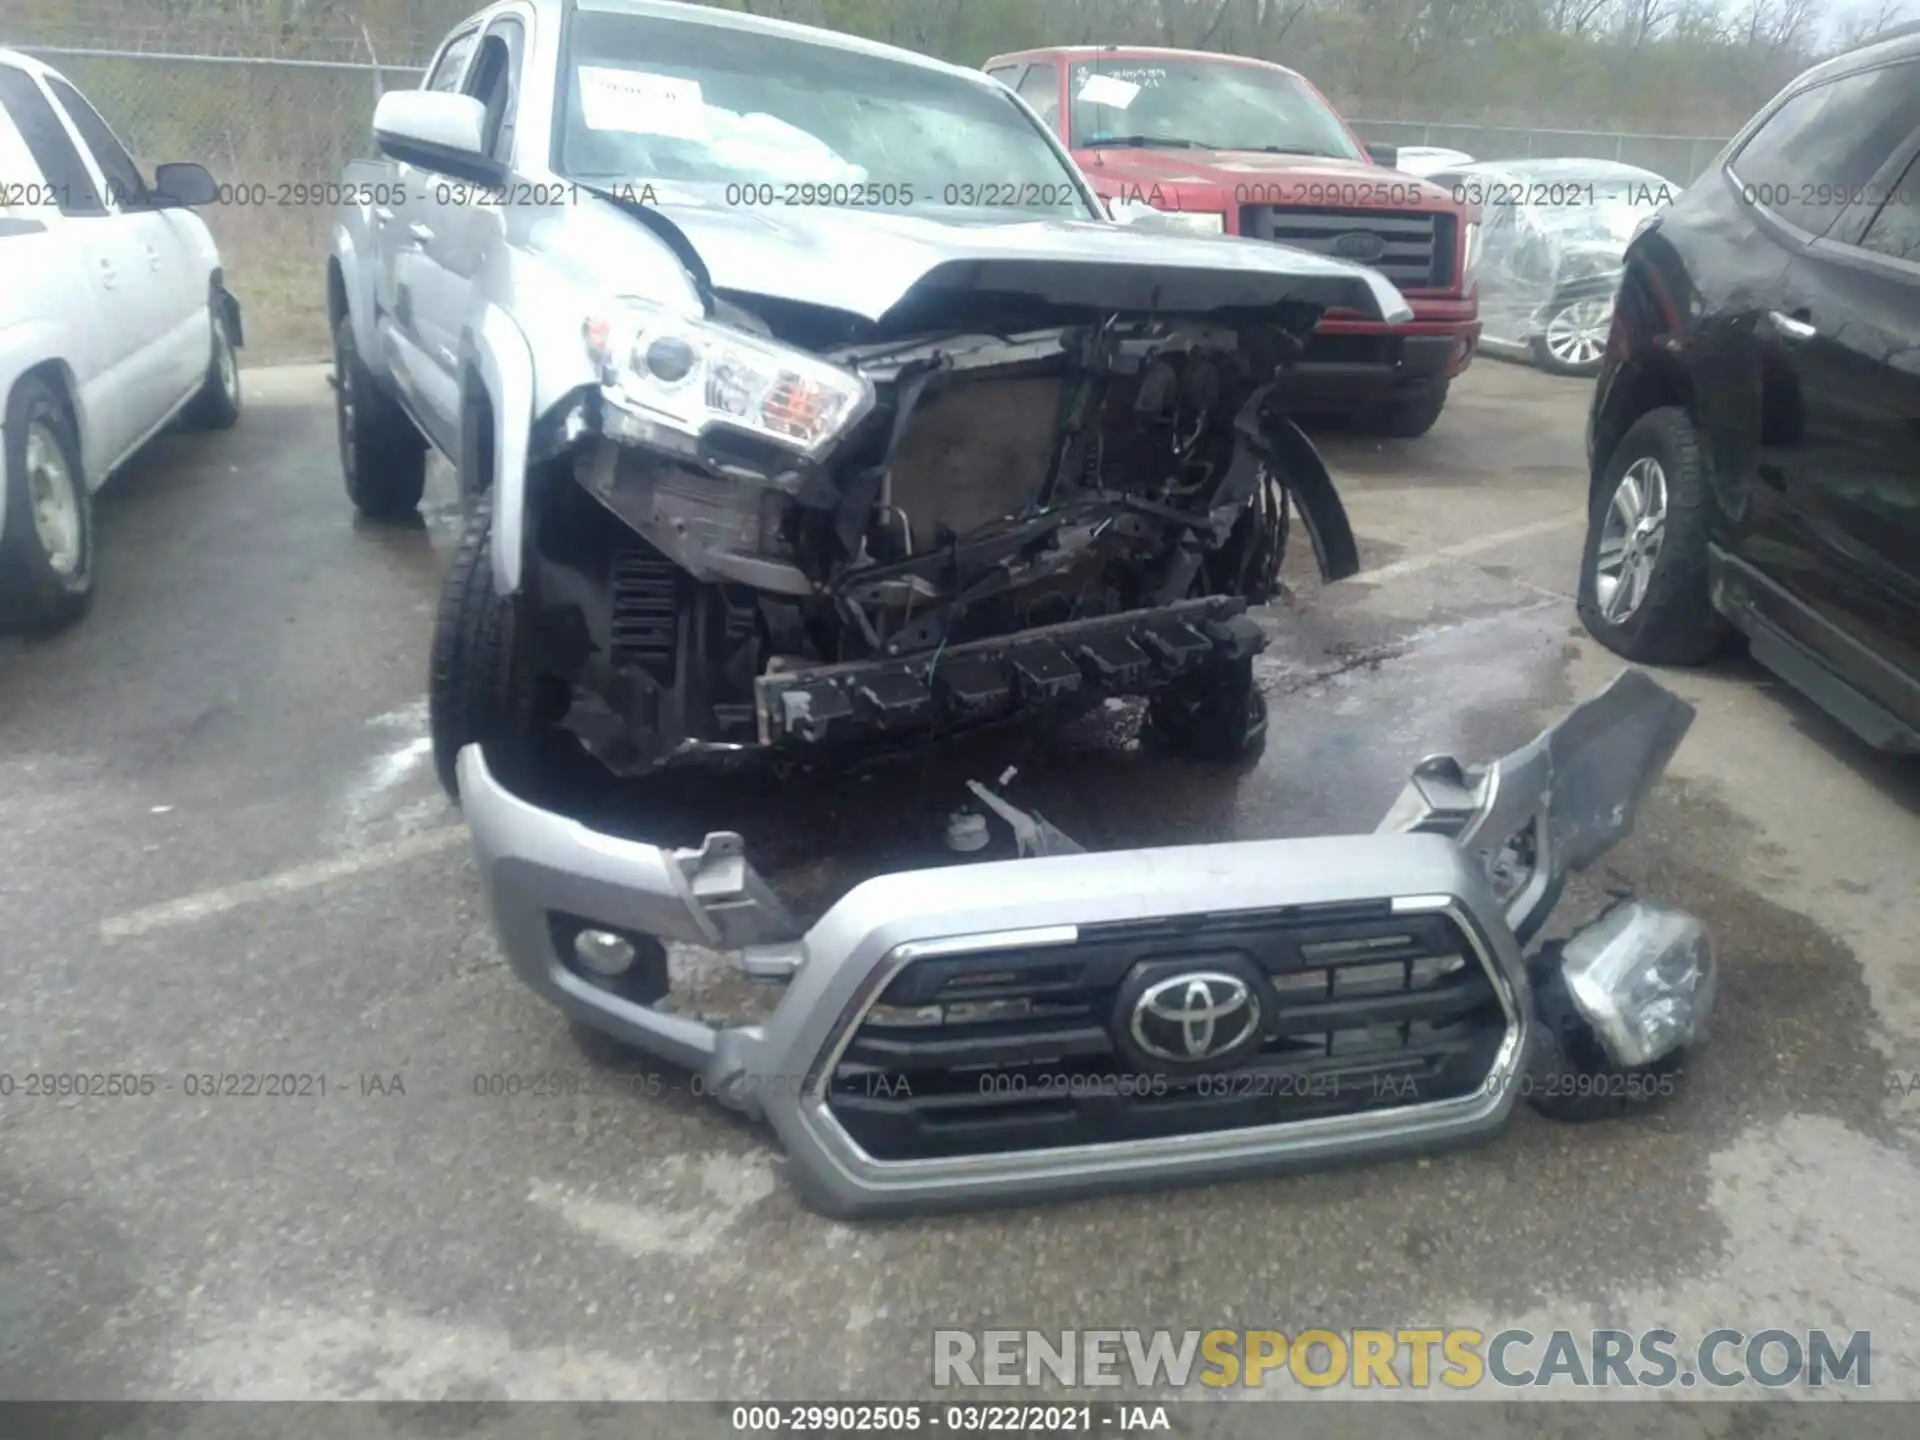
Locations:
642 104
1106 90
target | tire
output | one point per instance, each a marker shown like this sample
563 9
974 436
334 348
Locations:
1562 330
217 405
1570 1077
475 692
46 545
1410 415
1671 621
1218 716
383 458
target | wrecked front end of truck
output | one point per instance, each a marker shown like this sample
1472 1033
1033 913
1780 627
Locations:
997 473
1063 1021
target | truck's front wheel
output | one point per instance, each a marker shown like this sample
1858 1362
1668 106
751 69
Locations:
476 692
382 457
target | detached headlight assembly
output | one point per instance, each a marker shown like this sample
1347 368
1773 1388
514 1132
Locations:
670 378
1643 976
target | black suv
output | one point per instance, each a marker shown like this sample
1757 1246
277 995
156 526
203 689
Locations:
1754 442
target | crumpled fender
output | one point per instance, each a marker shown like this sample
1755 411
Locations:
1293 461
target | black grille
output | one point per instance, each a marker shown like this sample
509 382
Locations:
645 627
1416 248
1362 1009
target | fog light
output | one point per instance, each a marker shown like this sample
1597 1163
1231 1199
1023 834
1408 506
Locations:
603 952
1644 978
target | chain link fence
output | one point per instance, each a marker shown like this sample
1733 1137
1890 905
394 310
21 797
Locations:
276 130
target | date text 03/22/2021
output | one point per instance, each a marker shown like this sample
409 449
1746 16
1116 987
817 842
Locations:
39 1084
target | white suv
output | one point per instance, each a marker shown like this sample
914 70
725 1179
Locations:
114 319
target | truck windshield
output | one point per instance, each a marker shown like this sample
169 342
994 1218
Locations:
763 119
1210 105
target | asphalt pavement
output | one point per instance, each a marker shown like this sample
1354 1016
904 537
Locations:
222 853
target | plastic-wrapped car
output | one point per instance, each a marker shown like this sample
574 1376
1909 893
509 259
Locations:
1555 234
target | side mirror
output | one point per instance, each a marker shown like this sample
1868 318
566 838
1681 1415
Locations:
184 184
436 131
1387 155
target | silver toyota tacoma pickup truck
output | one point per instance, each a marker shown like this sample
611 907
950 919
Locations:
806 403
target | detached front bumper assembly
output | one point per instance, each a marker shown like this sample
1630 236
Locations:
1202 1011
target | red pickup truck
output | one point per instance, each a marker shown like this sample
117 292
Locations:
1225 144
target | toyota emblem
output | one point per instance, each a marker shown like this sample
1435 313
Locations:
1194 1017
1361 245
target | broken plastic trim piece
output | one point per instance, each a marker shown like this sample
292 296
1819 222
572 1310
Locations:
739 906
1034 834
1559 802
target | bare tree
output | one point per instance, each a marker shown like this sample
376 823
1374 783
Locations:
1859 31
1641 21
1772 26
1173 22
1575 17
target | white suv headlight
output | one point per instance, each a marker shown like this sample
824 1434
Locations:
667 376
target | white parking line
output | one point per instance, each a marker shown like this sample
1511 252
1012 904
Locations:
1466 549
189 908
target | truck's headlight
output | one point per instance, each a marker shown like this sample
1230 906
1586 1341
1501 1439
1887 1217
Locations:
1470 266
1644 978
667 375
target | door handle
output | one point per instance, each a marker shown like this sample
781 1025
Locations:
422 233
1795 326
153 258
108 275
382 215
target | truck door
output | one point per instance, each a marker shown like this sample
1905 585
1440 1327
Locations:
405 229
467 219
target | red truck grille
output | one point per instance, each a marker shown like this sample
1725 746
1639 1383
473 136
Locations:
1414 250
